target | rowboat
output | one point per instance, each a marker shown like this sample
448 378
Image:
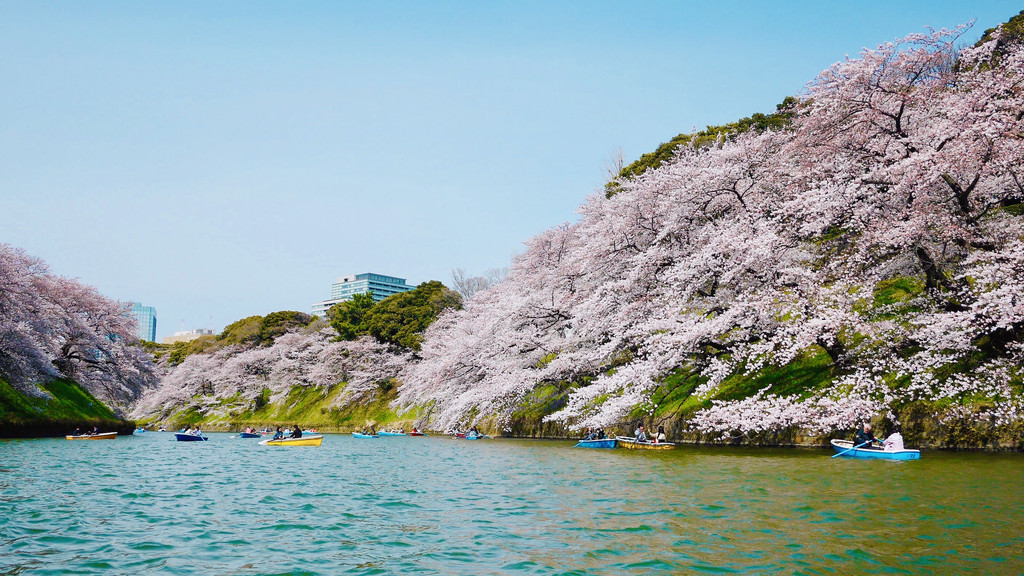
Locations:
392 434
600 443
846 449
187 437
248 435
472 436
100 436
631 443
140 430
417 434
304 441
358 435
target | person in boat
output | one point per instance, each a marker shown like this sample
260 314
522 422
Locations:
279 434
894 441
77 432
95 430
601 435
197 432
297 432
661 435
865 438
639 433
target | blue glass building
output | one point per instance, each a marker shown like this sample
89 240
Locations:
146 317
346 287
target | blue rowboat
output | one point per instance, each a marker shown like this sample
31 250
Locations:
248 435
392 434
183 437
602 443
845 449
358 435
472 436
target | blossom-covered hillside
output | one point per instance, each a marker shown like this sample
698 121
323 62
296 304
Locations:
232 384
287 366
882 230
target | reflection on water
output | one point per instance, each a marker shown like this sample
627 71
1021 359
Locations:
432 505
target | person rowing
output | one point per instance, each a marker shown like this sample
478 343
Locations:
866 439
297 432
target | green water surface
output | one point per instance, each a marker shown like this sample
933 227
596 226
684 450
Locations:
149 505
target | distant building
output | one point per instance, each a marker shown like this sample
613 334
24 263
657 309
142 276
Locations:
146 318
186 335
348 286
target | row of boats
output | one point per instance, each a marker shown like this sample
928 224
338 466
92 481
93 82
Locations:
306 439
843 448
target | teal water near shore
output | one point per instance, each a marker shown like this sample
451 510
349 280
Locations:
149 505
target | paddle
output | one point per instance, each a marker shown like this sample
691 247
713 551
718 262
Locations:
850 449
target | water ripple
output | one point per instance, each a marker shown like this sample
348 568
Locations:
435 505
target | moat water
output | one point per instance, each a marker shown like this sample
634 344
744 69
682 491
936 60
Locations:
149 505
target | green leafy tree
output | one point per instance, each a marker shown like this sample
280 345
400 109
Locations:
278 323
402 318
347 317
244 331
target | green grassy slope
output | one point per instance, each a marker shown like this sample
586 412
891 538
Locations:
309 407
69 407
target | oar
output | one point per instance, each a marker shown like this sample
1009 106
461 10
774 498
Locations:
850 449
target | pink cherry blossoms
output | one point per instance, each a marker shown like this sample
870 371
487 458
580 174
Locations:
53 327
902 163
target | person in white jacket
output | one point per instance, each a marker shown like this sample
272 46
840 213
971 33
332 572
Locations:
894 442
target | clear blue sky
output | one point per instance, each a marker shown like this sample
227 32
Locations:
222 159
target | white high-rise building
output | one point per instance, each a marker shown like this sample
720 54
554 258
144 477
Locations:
344 288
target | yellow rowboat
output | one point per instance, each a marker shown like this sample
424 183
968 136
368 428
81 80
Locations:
100 436
630 443
304 441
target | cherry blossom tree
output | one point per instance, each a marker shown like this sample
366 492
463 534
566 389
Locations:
51 327
902 163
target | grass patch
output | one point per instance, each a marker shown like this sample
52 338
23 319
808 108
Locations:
674 396
806 373
899 289
69 401
70 406
541 401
